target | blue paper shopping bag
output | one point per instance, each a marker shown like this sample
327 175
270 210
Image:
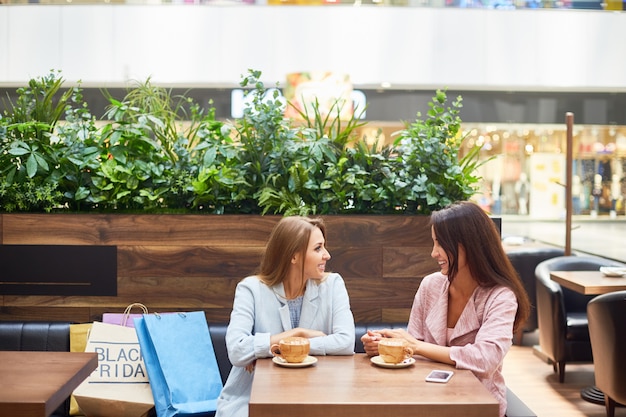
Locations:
180 361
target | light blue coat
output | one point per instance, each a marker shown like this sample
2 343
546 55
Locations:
260 311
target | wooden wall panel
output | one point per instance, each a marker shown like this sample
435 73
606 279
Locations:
34 312
186 292
194 262
143 229
363 262
407 262
188 261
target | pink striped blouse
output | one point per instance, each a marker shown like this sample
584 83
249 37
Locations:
482 335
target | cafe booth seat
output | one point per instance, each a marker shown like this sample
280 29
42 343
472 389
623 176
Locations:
54 336
562 313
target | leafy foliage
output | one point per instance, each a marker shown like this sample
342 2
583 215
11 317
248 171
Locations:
428 162
153 152
30 157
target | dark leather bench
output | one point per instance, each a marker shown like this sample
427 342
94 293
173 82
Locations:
55 336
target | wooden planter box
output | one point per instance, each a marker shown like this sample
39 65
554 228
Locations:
193 262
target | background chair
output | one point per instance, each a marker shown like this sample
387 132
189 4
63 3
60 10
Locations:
607 329
525 260
562 313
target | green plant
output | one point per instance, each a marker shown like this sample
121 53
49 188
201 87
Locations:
432 172
161 152
329 170
79 153
155 152
262 135
310 165
30 154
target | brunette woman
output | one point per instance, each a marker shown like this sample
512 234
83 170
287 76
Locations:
466 314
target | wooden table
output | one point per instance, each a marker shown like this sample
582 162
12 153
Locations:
34 384
588 282
353 386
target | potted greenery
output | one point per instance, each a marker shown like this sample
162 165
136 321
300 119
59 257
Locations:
156 153
144 178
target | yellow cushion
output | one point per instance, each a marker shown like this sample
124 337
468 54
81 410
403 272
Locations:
78 341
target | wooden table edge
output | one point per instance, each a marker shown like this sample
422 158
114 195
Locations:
51 404
74 382
567 283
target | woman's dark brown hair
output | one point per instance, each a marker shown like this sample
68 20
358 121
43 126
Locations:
465 224
290 236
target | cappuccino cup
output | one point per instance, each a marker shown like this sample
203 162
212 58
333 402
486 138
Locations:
394 350
291 349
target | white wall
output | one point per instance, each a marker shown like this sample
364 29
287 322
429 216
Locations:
571 50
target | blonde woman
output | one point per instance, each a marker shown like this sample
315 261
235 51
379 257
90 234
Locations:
292 295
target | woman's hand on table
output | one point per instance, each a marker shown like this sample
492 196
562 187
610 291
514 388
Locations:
412 342
431 351
297 332
370 342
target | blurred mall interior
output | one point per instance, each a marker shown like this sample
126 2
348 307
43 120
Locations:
520 66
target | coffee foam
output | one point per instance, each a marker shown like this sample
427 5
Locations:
295 341
392 342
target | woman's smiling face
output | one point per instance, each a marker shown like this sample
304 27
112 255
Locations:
316 256
442 257
439 254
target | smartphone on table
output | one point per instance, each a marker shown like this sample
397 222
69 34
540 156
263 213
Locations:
439 376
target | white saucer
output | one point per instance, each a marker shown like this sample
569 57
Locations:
308 361
378 361
613 271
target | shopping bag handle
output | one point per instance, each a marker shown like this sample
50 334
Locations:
180 313
129 308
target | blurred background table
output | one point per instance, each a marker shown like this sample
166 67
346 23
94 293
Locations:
588 282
